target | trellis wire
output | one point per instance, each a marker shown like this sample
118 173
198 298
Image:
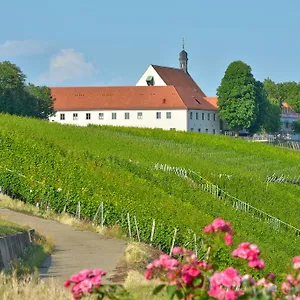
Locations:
236 203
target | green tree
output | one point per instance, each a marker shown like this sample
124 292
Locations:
275 97
296 126
20 99
238 97
12 82
41 103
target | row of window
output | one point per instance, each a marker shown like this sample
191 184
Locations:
206 130
114 116
203 116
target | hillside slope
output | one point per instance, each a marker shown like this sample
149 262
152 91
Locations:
124 168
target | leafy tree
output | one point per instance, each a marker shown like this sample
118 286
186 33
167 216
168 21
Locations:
12 82
296 126
20 99
238 97
275 97
286 91
42 101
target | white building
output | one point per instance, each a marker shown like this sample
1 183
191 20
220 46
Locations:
163 97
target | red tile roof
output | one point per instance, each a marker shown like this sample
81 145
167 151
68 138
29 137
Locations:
213 101
181 92
178 78
132 97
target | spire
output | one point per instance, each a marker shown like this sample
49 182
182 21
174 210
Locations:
183 59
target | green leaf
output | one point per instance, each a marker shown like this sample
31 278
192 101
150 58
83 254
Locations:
158 289
171 290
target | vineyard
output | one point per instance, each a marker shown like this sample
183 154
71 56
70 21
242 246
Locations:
161 187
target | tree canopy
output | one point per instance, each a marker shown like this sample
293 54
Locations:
242 100
20 99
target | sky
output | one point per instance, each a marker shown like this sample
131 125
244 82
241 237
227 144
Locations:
96 42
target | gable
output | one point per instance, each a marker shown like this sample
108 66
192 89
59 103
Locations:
151 72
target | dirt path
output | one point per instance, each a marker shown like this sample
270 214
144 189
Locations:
74 250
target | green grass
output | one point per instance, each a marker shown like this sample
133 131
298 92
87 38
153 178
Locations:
7 228
116 166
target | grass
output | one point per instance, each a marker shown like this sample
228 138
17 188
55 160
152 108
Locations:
7 228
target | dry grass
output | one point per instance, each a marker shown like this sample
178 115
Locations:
141 288
28 288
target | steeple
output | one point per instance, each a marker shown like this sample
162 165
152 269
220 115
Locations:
183 59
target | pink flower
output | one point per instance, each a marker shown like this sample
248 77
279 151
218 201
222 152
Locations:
296 261
285 287
257 264
208 228
194 272
218 223
231 277
177 251
186 278
80 276
149 274
85 286
228 239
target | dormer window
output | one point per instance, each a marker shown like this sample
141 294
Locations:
150 80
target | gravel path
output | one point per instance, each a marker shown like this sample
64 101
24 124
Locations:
74 250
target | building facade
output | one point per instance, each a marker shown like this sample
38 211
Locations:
163 97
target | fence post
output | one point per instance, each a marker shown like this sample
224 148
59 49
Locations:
173 242
195 241
152 232
137 229
129 228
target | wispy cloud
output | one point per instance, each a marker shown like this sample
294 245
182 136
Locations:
66 65
24 48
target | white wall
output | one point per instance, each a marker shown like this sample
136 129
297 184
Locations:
151 72
178 118
210 126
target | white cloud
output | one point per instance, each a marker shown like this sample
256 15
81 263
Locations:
23 48
66 65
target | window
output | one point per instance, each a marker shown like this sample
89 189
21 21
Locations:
127 116
287 125
87 116
202 116
62 116
214 117
191 115
150 80
206 130
196 116
192 129
199 129
158 115
75 116
114 116
140 115
169 115
172 128
214 131
208 116
101 116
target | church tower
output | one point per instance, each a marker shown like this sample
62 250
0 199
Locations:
183 60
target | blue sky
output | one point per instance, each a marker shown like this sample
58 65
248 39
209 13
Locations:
94 42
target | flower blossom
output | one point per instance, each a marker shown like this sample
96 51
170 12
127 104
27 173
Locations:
296 262
251 253
84 282
225 285
219 225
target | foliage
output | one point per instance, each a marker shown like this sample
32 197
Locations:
20 99
296 126
241 99
184 276
63 165
285 91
